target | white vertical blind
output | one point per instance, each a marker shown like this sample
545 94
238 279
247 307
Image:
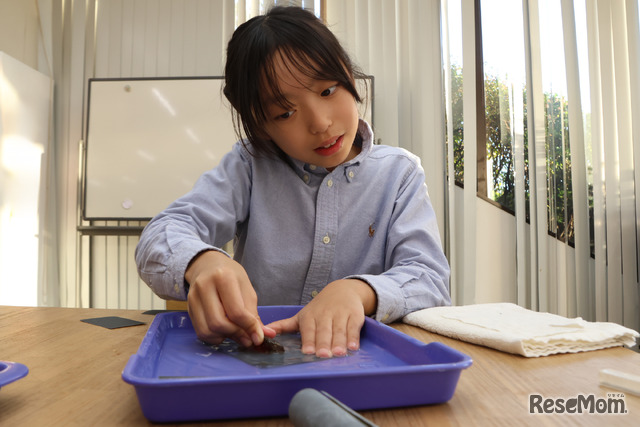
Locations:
537 170
398 42
610 150
449 31
633 37
578 289
466 286
627 172
164 38
517 121
599 220
247 9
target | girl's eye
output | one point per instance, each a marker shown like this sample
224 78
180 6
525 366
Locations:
329 91
285 115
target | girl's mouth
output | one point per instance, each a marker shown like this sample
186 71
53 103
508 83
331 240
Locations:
330 148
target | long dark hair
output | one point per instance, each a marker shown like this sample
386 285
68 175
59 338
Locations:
303 41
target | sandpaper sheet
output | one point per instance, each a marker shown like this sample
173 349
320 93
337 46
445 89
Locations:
112 322
292 354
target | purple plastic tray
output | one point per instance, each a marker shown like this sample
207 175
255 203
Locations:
11 371
178 378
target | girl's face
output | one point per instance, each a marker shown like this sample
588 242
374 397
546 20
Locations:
321 125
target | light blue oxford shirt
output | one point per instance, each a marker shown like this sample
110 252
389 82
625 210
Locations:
297 227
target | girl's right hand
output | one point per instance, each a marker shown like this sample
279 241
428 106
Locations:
222 302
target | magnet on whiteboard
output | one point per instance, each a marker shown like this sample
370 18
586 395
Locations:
127 204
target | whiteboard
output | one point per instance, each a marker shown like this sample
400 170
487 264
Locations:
148 141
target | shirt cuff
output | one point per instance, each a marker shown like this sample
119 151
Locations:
389 297
184 253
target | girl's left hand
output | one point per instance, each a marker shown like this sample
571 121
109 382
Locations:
330 324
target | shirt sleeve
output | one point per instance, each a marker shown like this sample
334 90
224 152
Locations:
416 272
203 219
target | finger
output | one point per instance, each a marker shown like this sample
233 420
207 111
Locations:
284 326
308 334
323 337
214 312
339 337
209 322
242 338
268 331
354 328
199 322
235 307
252 305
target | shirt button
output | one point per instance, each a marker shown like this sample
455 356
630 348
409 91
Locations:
314 294
351 174
326 239
305 178
330 183
312 167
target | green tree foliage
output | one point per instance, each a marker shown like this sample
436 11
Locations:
457 123
499 141
559 189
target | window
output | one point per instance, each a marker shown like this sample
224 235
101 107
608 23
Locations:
504 99
556 108
452 60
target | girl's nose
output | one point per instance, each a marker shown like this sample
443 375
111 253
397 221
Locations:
319 120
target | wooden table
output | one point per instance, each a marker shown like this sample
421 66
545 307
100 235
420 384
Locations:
75 378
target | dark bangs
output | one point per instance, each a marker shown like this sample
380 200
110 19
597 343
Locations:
303 42
313 64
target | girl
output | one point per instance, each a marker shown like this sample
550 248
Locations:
320 216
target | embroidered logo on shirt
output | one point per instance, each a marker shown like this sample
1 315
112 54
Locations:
372 230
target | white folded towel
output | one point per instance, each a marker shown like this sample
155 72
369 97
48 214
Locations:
514 329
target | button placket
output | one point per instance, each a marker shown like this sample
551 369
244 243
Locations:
326 239
319 270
